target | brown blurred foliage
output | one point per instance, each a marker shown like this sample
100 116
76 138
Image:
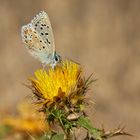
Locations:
104 36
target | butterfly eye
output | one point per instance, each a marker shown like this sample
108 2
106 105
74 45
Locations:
56 58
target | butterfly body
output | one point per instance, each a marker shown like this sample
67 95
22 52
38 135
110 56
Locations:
39 40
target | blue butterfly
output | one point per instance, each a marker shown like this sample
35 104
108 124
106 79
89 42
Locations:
39 40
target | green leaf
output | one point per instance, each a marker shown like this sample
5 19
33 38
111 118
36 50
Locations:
58 137
67 124
57 113
85 123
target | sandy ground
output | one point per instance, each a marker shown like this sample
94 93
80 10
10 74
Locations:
103 36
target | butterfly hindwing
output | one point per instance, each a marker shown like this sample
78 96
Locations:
34 43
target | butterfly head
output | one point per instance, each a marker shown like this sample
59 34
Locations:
56 59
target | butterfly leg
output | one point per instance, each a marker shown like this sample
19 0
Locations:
53 64
43 66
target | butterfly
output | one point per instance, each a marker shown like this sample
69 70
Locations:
39 39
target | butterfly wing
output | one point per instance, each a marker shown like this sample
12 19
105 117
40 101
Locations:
35 43
42 25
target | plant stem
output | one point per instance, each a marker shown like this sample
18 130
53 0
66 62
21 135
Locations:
67 133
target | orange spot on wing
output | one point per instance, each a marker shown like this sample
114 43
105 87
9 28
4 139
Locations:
25 31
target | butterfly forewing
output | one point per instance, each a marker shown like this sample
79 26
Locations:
42 25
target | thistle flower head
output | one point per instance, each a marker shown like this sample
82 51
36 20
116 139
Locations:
63 82
62 79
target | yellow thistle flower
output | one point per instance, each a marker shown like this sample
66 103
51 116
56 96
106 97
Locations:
27 120
60 82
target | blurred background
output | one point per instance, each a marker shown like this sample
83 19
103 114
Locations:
103 36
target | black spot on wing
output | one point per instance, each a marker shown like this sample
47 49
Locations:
43 30
48 41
